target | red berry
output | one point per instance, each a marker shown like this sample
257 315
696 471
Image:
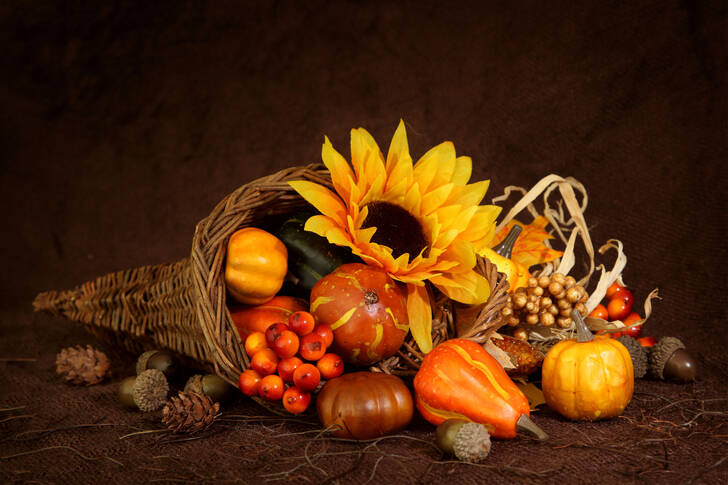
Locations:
635 331
312 346
264 362
249 382
286 367
286 344
326 333
306 377
600 312
330 366
614 290
647 341
621 306
273 331
272 387
295 400
302 323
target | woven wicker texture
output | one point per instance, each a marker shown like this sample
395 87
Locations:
182 306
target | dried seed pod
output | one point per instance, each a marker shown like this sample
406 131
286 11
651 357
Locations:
559 278
519 300
544 281
537 291
569 281
554 310
555 288
520 333
507 311
513 321
547 319
532 282
565 312
563 304
546 302
572 295
564 322
581 308
532 319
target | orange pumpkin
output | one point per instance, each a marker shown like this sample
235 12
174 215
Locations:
364 405
460 380
366 310
588 378
256 265
249 319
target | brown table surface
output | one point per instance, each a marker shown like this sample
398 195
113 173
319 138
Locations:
124 123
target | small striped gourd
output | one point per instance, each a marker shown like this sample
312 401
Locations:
460 380
366 310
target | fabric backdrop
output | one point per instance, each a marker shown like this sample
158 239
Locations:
123 123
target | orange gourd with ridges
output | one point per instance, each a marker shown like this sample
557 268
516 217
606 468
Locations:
256 265
459 379
366 310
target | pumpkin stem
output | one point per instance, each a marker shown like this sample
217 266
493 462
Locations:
371 297
524 424
583 334
505 248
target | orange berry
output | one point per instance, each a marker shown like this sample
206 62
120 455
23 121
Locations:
306 377
286 367
326 333
272 387
249 382
620 306
255 342
302 323
273 331
600 312
330 366
296 401
286 344
312 346
264 362
647 341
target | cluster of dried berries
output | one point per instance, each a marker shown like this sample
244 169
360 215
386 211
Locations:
546 301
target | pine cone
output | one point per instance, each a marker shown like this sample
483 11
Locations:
189 412
527 357
82 366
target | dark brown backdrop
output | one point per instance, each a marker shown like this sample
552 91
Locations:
124 123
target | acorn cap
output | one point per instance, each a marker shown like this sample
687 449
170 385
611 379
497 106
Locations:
194 384
661 353
638 354
141 364
150 390
468 441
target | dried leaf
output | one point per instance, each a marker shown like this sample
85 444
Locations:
532 392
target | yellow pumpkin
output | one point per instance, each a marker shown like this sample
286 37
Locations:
588 378
256 265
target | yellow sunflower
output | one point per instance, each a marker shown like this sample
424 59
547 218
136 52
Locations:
419 223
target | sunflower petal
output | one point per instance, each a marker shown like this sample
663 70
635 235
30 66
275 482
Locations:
420 316
463 170
462 253
322 199
328 228
341 174
471 194
412 200
481 223
468 287
435 198
398 149
436 166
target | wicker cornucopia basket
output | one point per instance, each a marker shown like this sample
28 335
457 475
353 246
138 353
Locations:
182 306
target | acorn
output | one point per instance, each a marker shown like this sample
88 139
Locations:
212 386
637 353
125 392
150 390
669 360
162 360
467 440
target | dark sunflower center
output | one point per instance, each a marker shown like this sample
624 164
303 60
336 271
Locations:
396 228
